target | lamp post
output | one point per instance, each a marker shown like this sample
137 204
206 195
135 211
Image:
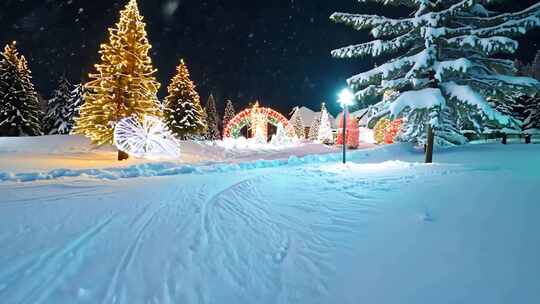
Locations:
345 99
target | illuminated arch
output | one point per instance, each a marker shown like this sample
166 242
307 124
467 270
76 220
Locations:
244 119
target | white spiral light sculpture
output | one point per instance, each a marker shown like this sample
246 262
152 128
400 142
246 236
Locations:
148 137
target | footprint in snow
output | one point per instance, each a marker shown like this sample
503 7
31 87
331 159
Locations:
427 217
282 253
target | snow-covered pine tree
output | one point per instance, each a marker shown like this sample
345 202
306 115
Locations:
183 112
313 133
20 113
531 111
212 119
325 134
535 66
298 124
76 100
443 66
525 108
229 113
56 120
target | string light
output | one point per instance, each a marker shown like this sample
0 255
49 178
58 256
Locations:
124 83
245 118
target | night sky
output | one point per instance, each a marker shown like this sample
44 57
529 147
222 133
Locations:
276 51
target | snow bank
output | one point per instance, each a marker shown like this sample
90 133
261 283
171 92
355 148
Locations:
167 169
52 144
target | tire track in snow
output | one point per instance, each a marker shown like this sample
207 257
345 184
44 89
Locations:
141 222
49 269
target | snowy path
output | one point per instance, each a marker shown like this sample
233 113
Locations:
392 232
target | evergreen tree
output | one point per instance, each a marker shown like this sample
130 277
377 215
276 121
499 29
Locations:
124 84
56 120
528 111
212 119
281 137
443 64
298 124
535 66
20 113
76 100
325 134
229 113
183 112
313 133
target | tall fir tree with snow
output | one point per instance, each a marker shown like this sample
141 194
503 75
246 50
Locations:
183 112
56 120
212 119
314 128
446 65
298 124
535 66
124 84
325 134
229 113
524 107
20 113
531 113
76 100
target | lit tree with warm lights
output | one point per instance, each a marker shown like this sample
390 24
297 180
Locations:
20 113
56 120
229 113
325 134
298 124
212 119
124 84
183 112
445 65
314 128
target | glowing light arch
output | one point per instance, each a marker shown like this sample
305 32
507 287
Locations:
244 119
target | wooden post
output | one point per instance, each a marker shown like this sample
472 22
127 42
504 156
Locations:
122 155
430 142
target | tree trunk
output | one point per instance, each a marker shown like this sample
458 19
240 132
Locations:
430 142
122 155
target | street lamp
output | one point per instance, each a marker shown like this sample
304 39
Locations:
345 99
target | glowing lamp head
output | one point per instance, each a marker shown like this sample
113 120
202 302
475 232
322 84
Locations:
346 98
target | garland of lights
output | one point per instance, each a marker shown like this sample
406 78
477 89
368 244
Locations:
247 117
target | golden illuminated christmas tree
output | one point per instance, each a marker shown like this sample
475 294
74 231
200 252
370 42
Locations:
124 84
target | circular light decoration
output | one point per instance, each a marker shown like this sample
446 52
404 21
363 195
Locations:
148 137
260 115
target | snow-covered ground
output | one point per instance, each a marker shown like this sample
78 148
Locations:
382 229
31 154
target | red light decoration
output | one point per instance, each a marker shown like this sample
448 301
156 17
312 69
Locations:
353 132
392 130
244 118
